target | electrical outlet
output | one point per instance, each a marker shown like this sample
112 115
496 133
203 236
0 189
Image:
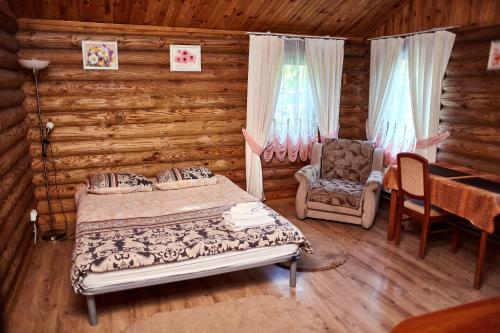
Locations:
34 215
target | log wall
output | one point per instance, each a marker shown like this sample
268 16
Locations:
419 15
16 188
471 103
143 118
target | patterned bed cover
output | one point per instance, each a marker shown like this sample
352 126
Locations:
126 231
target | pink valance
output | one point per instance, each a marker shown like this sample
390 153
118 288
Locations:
293 150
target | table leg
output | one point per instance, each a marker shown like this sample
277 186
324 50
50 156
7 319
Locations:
392 215
480 259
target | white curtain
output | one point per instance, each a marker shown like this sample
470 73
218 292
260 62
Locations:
384 57
325 58
428 56
264 76
295 127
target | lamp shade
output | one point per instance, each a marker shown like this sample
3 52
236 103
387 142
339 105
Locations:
34 63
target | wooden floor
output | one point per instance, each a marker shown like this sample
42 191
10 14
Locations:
377 287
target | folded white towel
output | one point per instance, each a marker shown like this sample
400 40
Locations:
240 225
246 216
246 207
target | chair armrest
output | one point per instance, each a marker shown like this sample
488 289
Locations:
308 174
374 180
378 159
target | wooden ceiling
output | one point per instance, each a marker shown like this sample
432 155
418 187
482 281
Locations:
356 18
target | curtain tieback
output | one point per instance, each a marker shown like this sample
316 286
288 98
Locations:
256 148
431 141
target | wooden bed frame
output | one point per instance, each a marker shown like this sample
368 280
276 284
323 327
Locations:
90 297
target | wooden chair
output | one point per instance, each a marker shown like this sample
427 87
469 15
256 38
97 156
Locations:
413 183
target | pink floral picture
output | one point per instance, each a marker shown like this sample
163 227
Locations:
494 60
185 58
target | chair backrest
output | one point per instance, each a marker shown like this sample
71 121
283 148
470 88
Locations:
413 175
347 159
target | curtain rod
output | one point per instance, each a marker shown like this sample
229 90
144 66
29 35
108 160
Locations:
416 33
269 33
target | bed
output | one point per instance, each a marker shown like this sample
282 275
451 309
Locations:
126 241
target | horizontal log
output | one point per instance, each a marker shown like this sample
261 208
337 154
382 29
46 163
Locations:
470 67
16 269
489 117
59 221
58 206
459 158
154 57
8 60
8 42
487 33
132 29
63 191
63 40
149 170
11 156
11 79
9 225
78 103
110 146
12 116
472 149
138 116
8 24
470 100
471 132
280 184
355 50
93 133
472 85
11 98
470 50
10 179
276 195
99 88
131 73
11 135
157 156
14 196
356 63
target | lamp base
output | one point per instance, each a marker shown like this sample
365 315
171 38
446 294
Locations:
53 235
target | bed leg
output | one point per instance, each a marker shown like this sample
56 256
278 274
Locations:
293 272
91 309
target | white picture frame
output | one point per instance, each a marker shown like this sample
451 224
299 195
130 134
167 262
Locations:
494 58
100 55
185 58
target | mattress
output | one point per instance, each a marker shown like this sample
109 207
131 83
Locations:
99 281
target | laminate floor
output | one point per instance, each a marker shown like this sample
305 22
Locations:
378 286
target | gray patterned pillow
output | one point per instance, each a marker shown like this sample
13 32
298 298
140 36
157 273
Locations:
112 183
177 178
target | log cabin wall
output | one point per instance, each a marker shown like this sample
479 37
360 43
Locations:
419 15
143 118
16 187
471 103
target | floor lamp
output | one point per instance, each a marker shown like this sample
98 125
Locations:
37 65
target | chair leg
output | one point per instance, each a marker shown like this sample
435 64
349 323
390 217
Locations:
423 237
455 238
399 218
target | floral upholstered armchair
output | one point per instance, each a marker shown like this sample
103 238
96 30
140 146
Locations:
342 183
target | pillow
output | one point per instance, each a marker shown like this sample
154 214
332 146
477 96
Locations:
177 178
112 183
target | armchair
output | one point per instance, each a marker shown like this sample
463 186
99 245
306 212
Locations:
342 183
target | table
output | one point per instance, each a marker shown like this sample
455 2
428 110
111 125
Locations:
482 316
477 205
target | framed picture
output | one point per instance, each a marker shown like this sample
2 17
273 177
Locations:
100 55
494 60
185 58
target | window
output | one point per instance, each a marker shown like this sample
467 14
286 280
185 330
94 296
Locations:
295 127
397 132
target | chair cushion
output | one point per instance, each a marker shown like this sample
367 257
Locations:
336 192
347 159
418 206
